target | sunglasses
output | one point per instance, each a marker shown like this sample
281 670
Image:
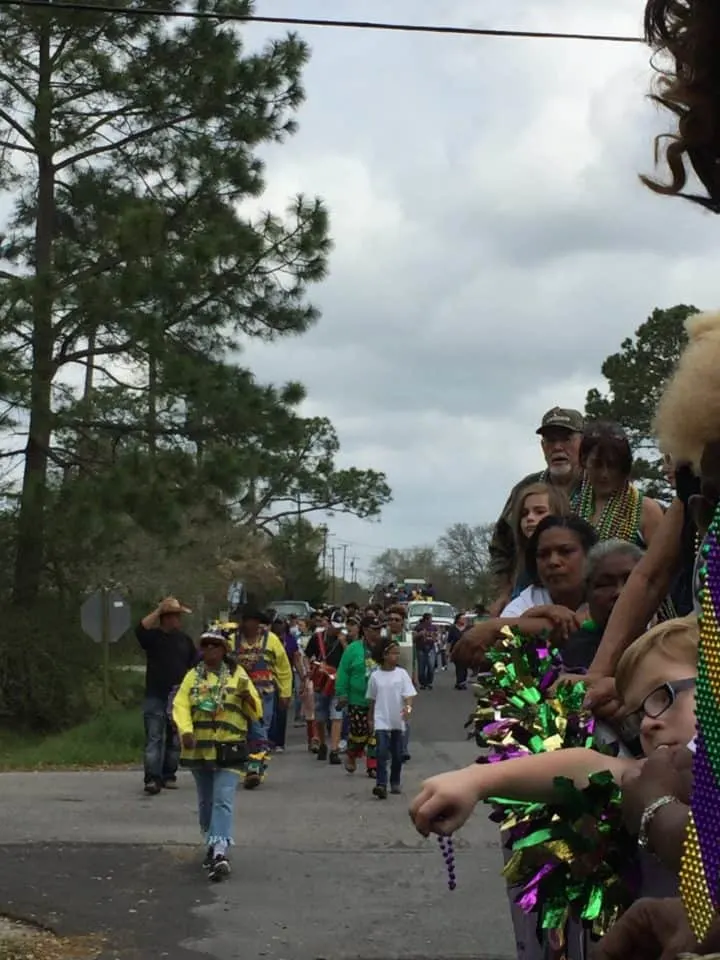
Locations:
659 701
206 644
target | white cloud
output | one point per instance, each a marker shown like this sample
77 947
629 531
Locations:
493 242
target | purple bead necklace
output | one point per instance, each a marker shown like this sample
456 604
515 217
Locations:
447 848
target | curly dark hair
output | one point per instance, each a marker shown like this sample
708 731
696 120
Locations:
688 31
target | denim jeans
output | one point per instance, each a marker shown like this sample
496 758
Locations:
259 732
216 804
389 748
162 747
278 728
426 667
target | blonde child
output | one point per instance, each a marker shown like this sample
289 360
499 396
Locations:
656 680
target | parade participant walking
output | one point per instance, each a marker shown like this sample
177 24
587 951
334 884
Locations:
325 651
170 653
356 665
289 635
424 639
263 657
212 710
390 692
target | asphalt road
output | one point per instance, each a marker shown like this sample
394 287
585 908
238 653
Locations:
322 870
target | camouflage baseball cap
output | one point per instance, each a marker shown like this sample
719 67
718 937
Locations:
563 419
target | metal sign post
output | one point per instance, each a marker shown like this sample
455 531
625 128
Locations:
105 617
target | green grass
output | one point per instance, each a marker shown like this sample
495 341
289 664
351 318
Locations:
113 738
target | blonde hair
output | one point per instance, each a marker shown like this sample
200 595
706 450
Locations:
688 414
558 504
675 639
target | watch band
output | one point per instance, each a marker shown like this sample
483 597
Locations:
648 815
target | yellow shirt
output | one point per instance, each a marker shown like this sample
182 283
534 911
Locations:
228 724
267 663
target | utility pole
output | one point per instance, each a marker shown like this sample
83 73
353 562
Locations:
324 550
344 546
353 570
332 575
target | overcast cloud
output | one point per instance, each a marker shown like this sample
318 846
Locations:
493 243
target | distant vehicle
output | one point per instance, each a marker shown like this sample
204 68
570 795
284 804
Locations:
288 608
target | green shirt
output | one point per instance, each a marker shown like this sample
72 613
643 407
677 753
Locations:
355 668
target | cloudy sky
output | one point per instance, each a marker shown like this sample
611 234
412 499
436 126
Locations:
493 243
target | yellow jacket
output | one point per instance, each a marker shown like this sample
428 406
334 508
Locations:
226 725
266 663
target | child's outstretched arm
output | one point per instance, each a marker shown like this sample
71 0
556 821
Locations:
447 800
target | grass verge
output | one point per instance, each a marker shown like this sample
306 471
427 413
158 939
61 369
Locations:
114 738
20 941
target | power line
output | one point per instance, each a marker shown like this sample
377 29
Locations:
81 7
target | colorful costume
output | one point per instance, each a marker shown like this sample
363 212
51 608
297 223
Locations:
267 665
216 708
355 668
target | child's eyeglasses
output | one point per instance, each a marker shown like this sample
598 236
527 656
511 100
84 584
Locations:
663 697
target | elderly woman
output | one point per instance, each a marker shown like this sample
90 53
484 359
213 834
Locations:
608 499
212 710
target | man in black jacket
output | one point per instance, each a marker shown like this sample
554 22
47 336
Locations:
170 654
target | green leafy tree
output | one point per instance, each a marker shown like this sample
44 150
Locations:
296 551
457 566
636 376
127 143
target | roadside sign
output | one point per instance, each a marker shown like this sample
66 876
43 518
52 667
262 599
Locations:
235 594
105 616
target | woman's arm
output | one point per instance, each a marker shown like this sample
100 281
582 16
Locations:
651 519
645 590
446 801
282 671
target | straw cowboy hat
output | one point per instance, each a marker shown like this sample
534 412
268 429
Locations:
172 605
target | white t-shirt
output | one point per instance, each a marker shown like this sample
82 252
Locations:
388 688
529 598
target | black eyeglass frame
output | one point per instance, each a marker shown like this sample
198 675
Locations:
672 688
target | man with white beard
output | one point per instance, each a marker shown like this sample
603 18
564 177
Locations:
561 432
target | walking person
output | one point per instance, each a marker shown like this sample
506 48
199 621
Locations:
356 665
390 692
454 634
263 656
324 651
212 711
289 639
170 653
424 637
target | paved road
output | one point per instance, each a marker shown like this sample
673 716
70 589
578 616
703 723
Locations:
322 870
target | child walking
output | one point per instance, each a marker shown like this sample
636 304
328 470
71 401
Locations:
390 693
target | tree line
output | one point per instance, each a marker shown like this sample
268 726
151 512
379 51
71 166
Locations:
635 376
135 262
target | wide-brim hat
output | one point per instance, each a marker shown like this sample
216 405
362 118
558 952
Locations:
171 606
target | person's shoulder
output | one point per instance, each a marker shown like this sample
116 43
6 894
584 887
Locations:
525 482
239 675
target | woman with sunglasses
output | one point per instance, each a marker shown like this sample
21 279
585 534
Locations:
212 710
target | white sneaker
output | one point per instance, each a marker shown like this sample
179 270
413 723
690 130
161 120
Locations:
343 746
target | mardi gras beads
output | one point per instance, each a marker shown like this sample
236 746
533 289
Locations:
700 870
447 848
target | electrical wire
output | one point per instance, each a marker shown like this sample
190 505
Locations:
81 7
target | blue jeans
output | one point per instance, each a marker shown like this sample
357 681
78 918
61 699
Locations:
278 728
162 747
259 732
426 667
216 804
389 748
